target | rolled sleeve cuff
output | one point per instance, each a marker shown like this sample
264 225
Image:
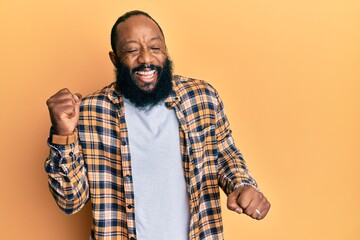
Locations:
247 183
63 154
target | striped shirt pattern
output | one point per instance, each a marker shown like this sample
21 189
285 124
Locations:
98 166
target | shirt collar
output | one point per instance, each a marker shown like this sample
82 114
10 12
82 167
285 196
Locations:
115 97
174 98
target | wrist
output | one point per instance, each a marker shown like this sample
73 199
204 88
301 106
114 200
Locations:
61 132
61 139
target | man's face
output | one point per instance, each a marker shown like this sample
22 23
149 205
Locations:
141 48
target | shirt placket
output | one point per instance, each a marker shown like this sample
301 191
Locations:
191 181
127 174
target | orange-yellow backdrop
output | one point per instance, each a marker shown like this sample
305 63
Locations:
288 72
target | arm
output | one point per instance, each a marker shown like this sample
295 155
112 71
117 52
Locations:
233 171
234 176
67 176
65 165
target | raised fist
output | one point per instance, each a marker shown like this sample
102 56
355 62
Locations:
64 111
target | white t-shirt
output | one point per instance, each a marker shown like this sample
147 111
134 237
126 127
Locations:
161 200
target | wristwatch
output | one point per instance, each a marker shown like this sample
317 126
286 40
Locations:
63 140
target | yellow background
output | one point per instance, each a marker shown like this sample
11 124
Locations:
288 72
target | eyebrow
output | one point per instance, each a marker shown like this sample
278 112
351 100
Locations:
152 39
130 41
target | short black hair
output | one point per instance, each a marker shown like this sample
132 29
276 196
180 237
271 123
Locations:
121 19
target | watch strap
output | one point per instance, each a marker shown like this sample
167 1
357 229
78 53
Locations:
64 140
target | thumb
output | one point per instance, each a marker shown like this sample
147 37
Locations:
77 97
232 201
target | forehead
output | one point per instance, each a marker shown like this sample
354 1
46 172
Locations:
138 28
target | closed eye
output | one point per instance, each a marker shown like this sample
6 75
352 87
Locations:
155 49
132 50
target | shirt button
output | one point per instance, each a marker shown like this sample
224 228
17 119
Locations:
123 143
130 206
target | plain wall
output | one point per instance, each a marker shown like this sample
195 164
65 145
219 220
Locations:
287 71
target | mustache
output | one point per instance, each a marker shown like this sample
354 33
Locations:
147 67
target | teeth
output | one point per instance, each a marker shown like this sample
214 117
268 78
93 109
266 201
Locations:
145 72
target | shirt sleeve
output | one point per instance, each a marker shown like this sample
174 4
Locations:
233 171
67 176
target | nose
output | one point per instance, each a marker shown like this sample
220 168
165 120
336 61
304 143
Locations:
145 57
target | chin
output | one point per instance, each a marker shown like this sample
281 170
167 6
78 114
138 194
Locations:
147 87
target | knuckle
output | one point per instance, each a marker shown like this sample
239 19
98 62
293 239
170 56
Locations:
250 210
65 90
68 102
242 203
231 205
244 196
49 104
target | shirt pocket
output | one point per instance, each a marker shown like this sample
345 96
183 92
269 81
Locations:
203 150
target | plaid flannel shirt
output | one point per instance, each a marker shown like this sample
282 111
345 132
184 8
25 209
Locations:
98 166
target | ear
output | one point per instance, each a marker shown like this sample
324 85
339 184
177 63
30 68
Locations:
113 57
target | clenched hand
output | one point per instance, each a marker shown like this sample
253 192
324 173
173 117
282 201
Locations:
248 200
64 111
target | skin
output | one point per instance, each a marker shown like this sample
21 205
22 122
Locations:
64 111
140 42
247 199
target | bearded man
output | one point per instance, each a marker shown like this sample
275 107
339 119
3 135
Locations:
150 150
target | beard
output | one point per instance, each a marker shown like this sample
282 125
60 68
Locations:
126 84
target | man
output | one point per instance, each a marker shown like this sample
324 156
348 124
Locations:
150 150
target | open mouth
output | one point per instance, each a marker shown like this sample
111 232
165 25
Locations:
146 74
